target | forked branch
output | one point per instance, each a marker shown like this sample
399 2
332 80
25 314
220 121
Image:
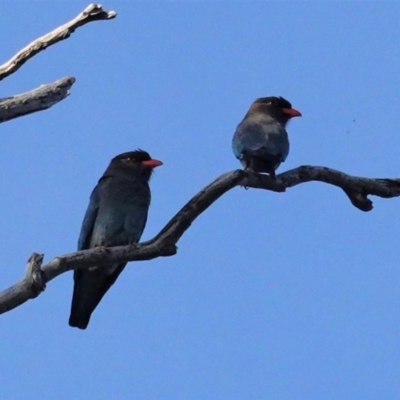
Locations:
164 244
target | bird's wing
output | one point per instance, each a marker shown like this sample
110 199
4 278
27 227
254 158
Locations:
270 139
90 218
88 285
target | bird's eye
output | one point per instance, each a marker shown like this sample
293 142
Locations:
268 103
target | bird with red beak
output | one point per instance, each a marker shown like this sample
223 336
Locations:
260 141
116 216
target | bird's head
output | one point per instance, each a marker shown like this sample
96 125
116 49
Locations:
277 107
136 162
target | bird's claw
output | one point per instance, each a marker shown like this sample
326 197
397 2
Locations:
103 248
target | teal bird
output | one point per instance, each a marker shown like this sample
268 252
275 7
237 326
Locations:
116 215
260 141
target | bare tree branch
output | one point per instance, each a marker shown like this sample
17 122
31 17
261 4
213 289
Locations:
93 12
356 188
38 99
164 244
46 95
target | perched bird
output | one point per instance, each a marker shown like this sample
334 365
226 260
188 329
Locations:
116 215
260 141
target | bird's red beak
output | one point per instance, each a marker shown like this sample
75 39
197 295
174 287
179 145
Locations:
292 112
152 163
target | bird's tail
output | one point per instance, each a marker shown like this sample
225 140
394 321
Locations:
89 288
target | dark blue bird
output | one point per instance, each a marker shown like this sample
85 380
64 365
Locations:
116 215
261 142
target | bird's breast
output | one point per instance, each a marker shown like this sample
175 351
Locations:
122 215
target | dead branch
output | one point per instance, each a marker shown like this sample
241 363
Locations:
164 243
38 99
93 12
46 95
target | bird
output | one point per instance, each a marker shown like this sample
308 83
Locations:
116 215
260 141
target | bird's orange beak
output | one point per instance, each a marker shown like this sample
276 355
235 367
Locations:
152 163
292 112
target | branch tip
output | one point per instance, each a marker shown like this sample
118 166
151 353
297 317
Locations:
41 98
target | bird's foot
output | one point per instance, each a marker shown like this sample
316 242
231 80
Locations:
246 168
103 247
132 245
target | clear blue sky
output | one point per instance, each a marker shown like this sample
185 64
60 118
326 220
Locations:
287 296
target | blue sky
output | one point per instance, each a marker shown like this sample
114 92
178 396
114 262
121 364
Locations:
271 296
